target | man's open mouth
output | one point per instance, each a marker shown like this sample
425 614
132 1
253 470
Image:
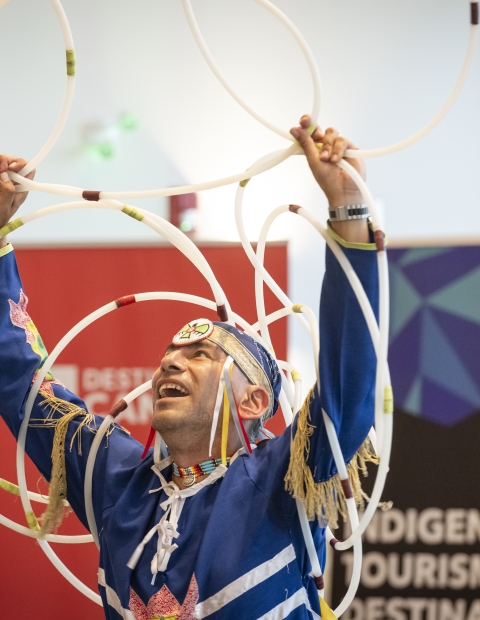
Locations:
172 390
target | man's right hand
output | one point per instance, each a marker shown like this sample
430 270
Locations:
9 200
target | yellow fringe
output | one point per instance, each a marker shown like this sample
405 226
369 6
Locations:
54 513
323 500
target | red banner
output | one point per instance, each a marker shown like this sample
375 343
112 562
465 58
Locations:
106 361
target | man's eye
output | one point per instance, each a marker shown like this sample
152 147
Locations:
201 353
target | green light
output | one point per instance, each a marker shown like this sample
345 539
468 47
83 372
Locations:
128 122
106 150
101 151
186 226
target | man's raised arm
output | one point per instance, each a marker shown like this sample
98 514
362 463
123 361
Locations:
347 357
22 353
21 348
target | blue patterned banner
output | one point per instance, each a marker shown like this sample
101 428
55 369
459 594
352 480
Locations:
435 331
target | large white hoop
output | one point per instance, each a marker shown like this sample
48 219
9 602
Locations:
289 397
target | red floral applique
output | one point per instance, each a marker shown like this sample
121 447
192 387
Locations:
19 315
164 604
20 318
47 383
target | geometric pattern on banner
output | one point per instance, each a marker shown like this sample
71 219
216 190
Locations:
434 349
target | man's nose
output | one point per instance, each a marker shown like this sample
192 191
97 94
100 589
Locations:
173 362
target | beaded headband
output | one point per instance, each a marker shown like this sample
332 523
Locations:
204 329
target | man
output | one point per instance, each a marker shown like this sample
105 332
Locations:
221 542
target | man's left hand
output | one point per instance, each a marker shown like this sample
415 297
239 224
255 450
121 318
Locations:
336 183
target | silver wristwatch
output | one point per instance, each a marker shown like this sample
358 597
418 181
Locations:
349 212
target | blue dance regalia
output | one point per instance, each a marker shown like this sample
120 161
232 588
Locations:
232 545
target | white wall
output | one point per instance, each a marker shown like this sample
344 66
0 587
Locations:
386 68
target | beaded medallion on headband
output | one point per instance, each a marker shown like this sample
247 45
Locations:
190 474
254 361
192 332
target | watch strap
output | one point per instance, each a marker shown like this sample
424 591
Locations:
349 212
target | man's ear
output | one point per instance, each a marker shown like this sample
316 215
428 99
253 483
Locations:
253 403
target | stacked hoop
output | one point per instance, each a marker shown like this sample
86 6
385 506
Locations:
291 394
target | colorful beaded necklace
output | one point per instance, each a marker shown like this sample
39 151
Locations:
190 474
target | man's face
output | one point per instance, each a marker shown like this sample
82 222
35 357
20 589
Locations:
185 388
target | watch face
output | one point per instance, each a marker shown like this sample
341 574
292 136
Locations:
192 332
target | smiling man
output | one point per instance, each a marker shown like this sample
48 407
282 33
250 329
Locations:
185 394
212 530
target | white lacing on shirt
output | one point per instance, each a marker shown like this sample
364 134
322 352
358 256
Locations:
167 527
